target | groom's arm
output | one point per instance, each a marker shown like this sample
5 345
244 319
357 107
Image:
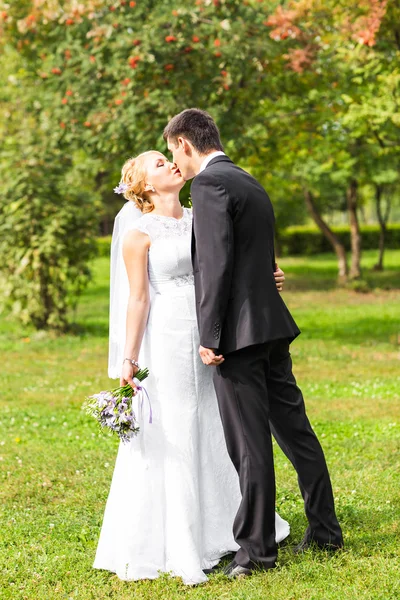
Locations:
213 230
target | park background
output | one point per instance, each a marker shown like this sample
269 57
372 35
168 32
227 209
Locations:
307 97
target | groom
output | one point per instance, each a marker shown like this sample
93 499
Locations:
245 331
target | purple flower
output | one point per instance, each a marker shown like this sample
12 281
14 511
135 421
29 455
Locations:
102 399
113 409
124 418
123 405
121 188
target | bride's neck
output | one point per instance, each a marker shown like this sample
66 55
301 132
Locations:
168 205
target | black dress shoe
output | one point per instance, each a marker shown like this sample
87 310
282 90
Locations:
211 571
310 544
233 570
218 566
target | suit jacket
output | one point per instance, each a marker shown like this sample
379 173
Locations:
233 259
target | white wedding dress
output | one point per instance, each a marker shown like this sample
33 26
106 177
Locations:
174 492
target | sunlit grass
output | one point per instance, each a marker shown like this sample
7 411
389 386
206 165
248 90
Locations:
55 469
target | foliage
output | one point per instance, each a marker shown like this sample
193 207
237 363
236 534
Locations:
110 73
305 92
307 240
336 126
46 234
104 246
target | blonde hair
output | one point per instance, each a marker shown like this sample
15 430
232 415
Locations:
133 174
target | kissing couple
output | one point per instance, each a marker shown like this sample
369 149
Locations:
195 297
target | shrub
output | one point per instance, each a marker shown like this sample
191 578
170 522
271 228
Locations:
104 246
309 240
46 237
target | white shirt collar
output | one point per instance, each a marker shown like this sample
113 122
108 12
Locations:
210 157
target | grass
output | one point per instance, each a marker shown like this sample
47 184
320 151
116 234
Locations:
55 469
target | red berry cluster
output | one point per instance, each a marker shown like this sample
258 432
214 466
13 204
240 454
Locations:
133 61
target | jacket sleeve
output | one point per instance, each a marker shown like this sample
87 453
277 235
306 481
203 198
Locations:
213 232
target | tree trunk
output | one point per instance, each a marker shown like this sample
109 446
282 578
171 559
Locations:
383 219
330 236
351 197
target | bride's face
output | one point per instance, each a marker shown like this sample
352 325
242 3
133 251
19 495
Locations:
163 175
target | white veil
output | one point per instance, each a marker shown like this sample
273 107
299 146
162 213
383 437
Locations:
119 288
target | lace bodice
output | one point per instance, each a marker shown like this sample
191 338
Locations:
169 254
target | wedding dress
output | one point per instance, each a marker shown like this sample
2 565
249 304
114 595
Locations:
174 492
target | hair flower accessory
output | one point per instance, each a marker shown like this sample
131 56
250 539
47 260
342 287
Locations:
121 188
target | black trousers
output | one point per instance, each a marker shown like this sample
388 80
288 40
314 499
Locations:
257 394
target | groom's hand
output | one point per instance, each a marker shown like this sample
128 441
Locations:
209 357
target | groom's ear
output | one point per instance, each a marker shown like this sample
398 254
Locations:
185 145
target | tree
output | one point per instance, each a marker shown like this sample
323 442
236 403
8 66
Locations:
341 59
47 224
46 237
299 90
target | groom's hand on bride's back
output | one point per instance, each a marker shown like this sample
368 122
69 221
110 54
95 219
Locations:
209 357
279 278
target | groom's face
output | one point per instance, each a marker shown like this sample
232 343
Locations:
182 157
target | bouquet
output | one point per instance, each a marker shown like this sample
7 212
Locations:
113 409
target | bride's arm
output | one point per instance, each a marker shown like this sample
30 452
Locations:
135 253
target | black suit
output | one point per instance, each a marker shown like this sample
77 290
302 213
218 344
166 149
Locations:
242 315
238 304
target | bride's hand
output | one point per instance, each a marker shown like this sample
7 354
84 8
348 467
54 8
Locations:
128 373
279 278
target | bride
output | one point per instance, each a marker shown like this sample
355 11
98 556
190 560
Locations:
174 492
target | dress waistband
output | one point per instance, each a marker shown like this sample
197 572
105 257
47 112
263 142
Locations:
173 284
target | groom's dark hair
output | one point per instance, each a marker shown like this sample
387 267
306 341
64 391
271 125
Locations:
198 127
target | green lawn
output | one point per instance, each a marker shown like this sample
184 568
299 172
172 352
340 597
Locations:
55 468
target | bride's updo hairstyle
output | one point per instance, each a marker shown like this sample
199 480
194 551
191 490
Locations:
133 174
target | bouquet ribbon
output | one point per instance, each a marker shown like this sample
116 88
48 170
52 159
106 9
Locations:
143 392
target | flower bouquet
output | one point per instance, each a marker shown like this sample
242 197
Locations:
113 409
